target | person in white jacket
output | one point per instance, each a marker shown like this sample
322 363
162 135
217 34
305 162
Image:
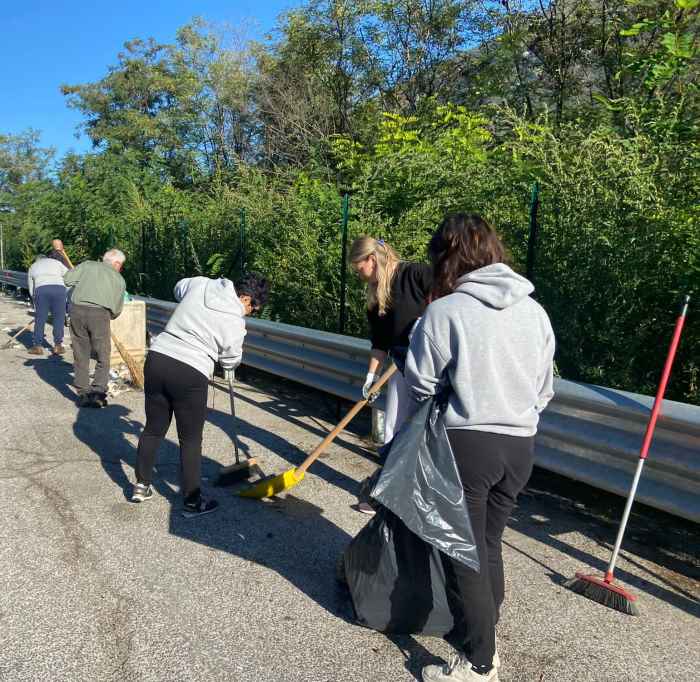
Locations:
207 326
46 287
488 348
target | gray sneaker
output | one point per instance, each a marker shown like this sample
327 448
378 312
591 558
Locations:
141 492
459 669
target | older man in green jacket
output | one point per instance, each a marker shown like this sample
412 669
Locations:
98 298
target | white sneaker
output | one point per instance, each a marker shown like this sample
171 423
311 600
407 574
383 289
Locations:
496 663
141 492
459 669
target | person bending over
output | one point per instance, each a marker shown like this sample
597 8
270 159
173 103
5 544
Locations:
397 294
490 346
97 299
207 326
48 292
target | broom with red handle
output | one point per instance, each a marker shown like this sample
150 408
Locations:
603 590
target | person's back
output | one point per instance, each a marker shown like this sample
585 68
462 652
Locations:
97 283
45 272
498 344
46 287
98 297
206 326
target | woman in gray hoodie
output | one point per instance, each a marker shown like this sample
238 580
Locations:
490 346
207 326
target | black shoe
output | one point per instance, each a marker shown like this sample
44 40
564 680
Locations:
97 400
198 508
83 399
141 492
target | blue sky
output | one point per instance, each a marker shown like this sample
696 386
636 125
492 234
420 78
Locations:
45 44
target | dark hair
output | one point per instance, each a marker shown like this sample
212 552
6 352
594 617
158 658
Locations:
56 255
464 242
254 285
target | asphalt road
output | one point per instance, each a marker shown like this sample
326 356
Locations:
96 588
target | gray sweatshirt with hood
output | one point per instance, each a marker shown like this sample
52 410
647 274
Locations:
494 345
207 325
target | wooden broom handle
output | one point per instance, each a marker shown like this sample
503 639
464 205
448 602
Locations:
344 422
68 259
24 329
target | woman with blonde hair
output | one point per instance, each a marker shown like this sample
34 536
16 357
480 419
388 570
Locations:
397 293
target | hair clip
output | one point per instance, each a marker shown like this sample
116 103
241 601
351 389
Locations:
380 242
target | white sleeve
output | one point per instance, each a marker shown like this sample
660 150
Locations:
231 348
545 379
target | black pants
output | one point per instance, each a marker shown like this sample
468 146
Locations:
173 387
90 331
494 469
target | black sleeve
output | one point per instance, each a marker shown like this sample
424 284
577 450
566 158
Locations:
379 331
421 275
426 278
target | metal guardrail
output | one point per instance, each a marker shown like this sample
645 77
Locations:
588 433
332 363
14 279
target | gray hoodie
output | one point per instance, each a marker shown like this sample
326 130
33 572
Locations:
45 271
495 346
206 326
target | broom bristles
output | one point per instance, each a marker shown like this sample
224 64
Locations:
603 593
135 367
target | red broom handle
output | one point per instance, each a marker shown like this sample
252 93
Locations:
646 444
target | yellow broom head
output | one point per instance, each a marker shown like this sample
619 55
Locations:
274 485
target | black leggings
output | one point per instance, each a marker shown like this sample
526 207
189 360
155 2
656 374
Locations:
173 387
494 468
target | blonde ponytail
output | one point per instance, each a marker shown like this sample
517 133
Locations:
379 292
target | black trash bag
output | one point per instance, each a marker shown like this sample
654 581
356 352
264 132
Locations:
396 580
420 484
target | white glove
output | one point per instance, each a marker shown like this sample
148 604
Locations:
369 382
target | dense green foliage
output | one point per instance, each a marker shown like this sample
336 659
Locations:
414 108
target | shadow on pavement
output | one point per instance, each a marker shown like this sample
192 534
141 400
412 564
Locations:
106 431
291 408
554 506
288 535
416 655
279 446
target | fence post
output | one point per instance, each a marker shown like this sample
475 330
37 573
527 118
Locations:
143 255
532 238
343 266
242 264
